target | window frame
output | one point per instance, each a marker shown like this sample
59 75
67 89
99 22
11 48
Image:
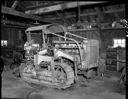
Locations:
119 43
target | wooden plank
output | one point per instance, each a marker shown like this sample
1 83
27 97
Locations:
59 7
13 26
43 4
7 10
15 23
14 4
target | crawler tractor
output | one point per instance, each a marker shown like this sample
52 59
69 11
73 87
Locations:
55 59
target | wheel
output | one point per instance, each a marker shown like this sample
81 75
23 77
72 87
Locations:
64 74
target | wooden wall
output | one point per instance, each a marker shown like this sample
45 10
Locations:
13 35
110 34
107 36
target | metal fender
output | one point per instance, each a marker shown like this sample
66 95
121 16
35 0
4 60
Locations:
39 58
59 53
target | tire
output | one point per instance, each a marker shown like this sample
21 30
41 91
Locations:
69 73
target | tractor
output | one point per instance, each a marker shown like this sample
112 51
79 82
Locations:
55 59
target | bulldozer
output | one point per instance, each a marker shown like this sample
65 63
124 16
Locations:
55 59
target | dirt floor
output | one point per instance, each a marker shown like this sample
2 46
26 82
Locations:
106 87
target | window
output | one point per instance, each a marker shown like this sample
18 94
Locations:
119 43
3 42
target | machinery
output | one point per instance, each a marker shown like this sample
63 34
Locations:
55 59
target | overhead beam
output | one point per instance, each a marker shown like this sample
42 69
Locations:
10 11
91 13
42 4
58 7
15 23
14 4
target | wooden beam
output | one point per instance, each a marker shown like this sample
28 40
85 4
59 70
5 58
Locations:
91 13
13 26
16 23
42 4
58 7
19 24
10 11
14 4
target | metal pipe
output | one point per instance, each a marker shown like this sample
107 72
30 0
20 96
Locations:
76 35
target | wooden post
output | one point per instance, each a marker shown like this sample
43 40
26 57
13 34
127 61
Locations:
19 34
117 68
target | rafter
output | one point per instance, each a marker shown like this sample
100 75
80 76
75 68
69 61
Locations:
14 4
42 4
58 7
7 10
90 13
15 23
